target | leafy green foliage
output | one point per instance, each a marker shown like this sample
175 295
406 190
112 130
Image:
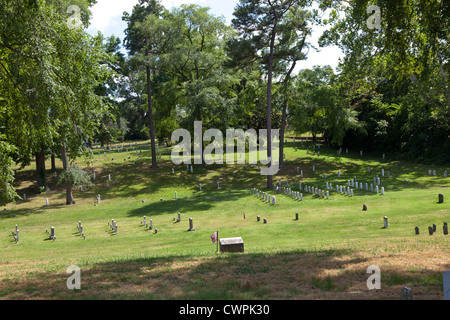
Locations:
74 176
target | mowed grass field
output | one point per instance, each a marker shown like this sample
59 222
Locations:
323 255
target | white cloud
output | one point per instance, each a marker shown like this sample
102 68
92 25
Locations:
104 11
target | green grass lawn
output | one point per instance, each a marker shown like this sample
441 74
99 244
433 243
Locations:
324 254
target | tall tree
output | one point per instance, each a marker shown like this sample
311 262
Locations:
260 25
139 41
51 73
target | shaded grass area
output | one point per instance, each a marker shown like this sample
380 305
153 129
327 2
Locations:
293 274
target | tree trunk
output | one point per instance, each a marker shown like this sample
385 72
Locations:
284 112
53 162
69 195
283 125
269 107
40 169
150 115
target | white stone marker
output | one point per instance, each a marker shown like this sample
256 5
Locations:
382 190
385 220
46 202
446 284
176 196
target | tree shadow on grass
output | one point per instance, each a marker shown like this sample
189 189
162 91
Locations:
293 274
201 201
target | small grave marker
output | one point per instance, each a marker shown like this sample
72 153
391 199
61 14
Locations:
191 225
406 294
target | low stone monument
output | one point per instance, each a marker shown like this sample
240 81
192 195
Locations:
231 244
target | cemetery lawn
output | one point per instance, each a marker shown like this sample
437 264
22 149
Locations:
323 255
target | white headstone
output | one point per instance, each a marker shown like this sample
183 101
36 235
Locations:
446 283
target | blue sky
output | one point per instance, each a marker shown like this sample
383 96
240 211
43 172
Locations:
107 18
